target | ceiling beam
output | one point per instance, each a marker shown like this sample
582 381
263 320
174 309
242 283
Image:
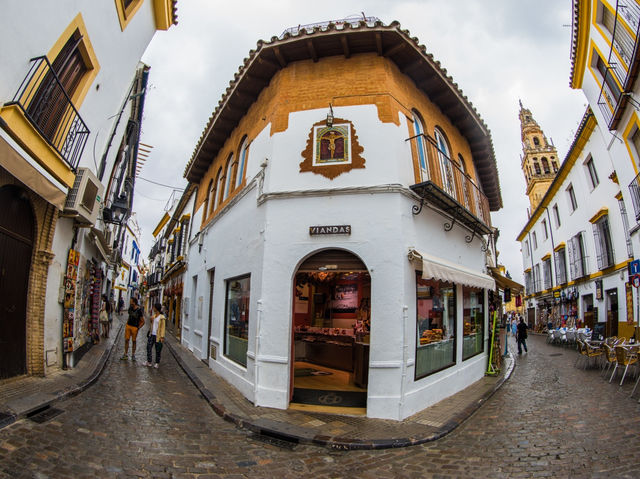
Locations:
345 46
280 57
312 50
379 43
395 49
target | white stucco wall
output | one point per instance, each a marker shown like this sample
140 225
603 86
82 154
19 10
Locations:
265 232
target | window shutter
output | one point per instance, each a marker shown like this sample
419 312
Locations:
597 238
572 268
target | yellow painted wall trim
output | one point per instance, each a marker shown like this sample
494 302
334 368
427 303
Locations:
579 62
603 212
528 270
121 288
185 217
171 240
125 15
163 222
633 122
618 196
23 132
163 13
566 167
546 257
88 56
560 246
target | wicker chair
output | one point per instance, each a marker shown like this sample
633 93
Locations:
582 349
623 358
592 352
609 357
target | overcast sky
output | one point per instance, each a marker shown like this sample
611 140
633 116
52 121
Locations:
498 51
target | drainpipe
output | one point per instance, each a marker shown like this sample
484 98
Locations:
256 368
405 358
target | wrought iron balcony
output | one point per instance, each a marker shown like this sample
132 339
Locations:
622 63
48 107
449 188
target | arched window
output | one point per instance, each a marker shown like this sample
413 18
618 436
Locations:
228 184
545 166
554 165
242 155
465 181
536 141
536 166
214 192
220 187
444 157
420 146
207 200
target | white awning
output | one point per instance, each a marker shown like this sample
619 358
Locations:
19 163
441 269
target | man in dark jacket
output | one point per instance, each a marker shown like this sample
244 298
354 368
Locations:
521 336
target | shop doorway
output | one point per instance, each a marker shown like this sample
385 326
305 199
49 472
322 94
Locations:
16 247
331 324
612 313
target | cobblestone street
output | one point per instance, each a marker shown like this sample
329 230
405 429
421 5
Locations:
549 420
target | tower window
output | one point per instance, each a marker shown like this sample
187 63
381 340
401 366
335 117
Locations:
537 168
545 166
536 141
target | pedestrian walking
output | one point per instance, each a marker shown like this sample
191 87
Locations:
521 336
104 318
120 304
134 323
109 308
514 326
155 336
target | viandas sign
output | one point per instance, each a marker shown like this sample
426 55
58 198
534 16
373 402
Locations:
330 230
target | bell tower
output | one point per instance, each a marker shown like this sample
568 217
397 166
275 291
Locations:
539 159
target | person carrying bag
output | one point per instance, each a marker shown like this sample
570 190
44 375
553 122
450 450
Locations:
155 336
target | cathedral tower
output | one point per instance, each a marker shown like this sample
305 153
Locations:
539 158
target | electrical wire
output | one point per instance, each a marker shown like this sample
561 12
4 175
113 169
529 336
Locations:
159 184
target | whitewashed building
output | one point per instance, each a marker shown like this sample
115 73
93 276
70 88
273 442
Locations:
576 244
342 219
67 68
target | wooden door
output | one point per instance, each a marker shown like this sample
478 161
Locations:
16 248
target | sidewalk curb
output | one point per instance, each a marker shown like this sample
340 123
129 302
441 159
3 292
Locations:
68 392
298 435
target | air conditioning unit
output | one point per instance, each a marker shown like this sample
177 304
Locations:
85 197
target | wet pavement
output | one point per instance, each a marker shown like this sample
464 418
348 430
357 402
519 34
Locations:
549 420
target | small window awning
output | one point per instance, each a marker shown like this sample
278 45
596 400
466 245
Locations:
438 268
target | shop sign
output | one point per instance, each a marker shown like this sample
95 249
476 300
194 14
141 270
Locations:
330 230
598 289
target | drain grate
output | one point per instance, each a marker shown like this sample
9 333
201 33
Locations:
555 354
44 414
274 441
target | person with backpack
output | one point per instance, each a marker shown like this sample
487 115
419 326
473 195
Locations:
134 323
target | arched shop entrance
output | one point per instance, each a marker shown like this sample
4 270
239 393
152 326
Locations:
331 322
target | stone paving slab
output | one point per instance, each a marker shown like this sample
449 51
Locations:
337 431
19 398
22 396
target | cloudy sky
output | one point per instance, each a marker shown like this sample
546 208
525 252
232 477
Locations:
498 51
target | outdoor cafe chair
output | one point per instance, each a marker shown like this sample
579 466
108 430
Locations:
594 352
625 358
582 349
609 357
571 337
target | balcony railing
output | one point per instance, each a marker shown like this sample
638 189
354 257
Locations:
634 189
622 67
449 187
46 104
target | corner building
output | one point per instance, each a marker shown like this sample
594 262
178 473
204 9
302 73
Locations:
342 226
